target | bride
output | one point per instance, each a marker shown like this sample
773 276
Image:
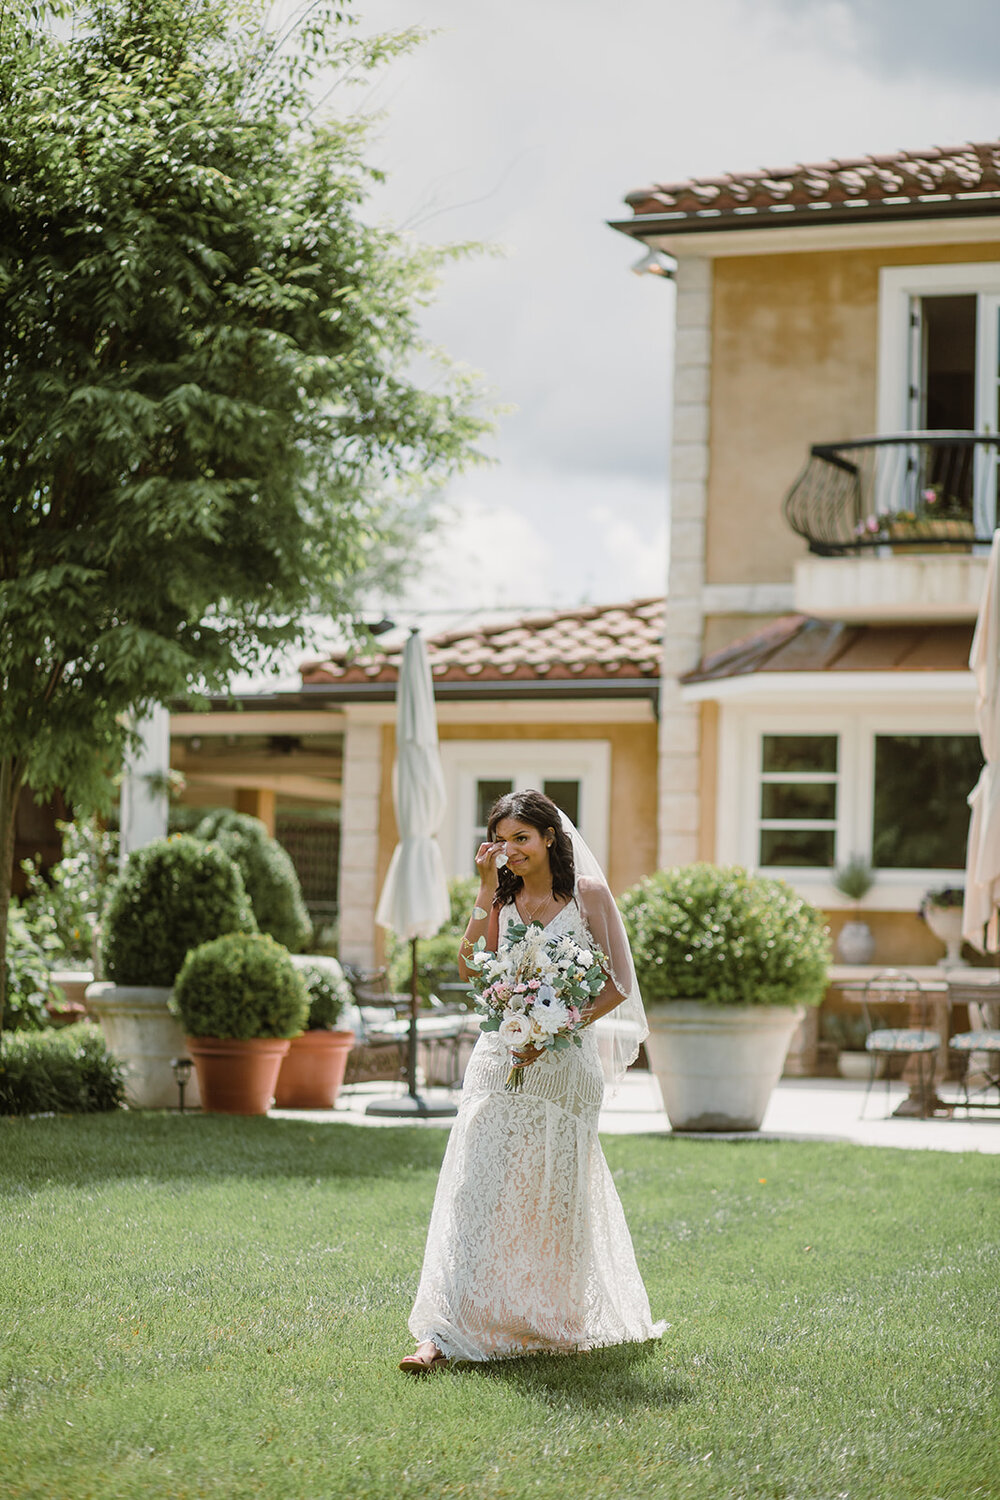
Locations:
528 1250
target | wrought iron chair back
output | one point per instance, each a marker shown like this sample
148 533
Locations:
884 993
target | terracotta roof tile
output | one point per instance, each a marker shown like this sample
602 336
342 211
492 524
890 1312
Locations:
603 641
942 178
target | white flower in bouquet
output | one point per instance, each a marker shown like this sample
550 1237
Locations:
515 1029
549 1013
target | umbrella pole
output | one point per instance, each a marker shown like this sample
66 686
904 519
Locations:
412 1104
411 1051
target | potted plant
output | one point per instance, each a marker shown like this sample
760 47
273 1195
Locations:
855 943
727 962
848 1034
240 1000
941 909
172 895
312 1069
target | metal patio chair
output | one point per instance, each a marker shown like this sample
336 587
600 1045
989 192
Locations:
880 1000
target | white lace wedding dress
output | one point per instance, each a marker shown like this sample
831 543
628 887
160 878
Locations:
528 1249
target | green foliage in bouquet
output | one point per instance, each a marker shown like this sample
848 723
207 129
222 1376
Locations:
172 895
329 994
69 1071
243 985
268 874
725 937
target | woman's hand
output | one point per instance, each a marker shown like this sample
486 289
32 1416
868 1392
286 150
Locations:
525 1056
486 865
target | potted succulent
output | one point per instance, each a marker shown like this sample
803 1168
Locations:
312 1069
941 909
172 895
727 962
855 943
240 1000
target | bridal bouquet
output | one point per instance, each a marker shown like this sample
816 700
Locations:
532 991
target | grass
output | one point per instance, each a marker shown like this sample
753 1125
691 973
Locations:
200 1306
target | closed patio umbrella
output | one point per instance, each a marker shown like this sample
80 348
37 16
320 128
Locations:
980 925
414 901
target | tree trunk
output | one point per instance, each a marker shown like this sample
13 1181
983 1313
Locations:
11 782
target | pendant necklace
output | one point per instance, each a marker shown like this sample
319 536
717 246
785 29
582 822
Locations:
538 906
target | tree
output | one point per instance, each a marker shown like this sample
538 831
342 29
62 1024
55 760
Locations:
209 421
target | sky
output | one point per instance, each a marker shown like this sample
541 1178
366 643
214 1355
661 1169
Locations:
524 125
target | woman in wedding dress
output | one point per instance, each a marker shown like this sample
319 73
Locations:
528 1250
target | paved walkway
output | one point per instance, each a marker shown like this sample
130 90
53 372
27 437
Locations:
801 1109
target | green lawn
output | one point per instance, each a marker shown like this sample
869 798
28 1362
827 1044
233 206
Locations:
211 1307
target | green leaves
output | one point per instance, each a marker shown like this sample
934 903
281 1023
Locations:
724 936
208 423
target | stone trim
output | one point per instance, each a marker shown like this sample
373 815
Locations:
359 841
680 738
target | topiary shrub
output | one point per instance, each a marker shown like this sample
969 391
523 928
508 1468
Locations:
725 937
329 994
268 874
241 986
172 895
69 1071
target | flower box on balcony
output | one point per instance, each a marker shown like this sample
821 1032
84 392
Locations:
939 534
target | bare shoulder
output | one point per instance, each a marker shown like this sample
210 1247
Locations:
593 892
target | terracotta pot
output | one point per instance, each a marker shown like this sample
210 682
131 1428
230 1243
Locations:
237 1078
312 1070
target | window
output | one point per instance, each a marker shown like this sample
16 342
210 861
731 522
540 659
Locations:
921 817
802 791
574 773
798 800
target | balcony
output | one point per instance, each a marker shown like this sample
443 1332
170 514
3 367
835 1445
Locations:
898 526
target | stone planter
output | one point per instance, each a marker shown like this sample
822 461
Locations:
237 1078
312 1070
143 1034
946 924
717 1065
854 1065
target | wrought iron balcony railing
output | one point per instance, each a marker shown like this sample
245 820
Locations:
908 490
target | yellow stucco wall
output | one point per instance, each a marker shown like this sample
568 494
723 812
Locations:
632 834
794 345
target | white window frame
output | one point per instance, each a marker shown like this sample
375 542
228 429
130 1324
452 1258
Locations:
527 763
897 286
738 799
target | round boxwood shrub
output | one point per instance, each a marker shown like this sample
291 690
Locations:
329 994
243 985
268 874
69 1071
172 895
725 937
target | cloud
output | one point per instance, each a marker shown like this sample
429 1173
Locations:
526 124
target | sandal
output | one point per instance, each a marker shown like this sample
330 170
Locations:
419 1364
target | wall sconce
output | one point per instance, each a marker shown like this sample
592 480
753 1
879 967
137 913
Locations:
655 263
182 1073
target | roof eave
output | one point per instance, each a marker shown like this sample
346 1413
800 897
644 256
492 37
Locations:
680 222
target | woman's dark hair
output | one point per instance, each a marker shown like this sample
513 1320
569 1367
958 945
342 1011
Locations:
540 812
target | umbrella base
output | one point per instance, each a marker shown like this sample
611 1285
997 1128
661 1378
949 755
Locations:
411 1106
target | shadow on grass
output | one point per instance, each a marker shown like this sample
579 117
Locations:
604 1380
167 1147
